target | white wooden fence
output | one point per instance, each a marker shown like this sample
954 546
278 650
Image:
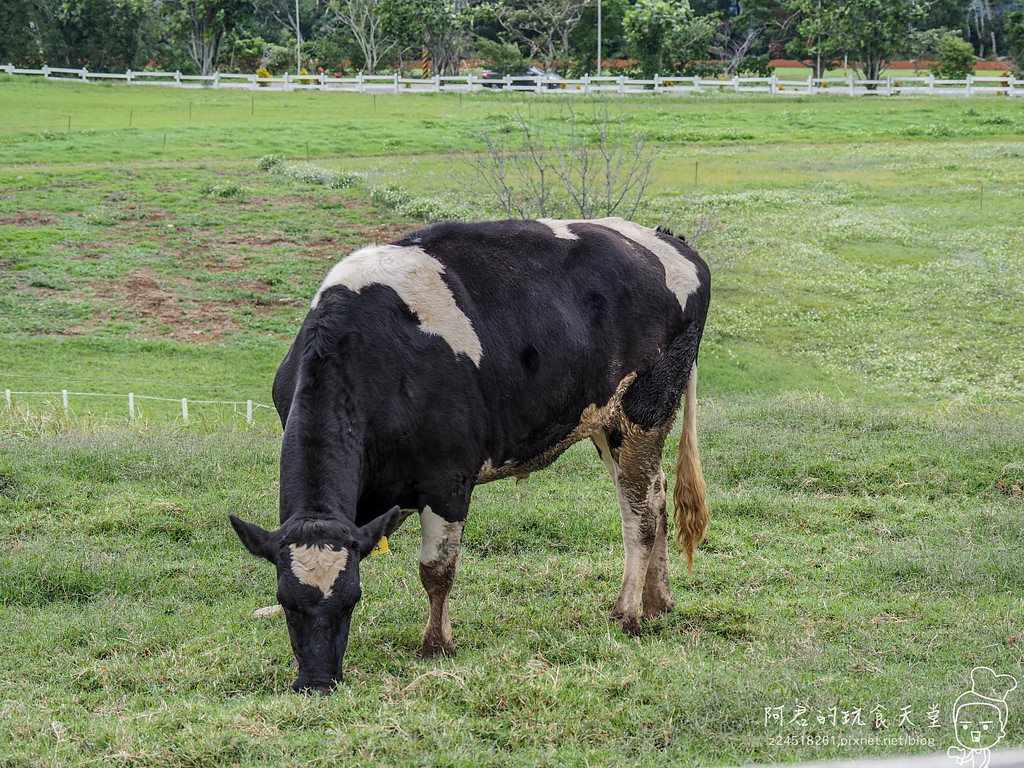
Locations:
972 85
131 412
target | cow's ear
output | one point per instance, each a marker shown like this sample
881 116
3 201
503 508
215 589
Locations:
258 541
370 534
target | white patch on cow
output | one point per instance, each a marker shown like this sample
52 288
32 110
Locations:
318 566
680 274
437 534
415 276
559 228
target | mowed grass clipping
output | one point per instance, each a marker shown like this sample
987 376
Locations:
860 424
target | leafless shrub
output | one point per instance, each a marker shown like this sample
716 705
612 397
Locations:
562 160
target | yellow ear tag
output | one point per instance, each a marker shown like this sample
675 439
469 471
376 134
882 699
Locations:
381 548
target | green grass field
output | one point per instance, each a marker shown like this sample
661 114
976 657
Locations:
860 424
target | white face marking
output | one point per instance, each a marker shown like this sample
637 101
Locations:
436 532
318 566
559 228
416 277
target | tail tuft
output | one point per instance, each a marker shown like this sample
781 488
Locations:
691 512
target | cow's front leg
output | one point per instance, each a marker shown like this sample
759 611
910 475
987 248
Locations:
439 557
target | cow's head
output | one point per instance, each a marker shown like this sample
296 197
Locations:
317 585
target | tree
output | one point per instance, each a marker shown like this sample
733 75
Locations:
956 57
447 27
204 24
613 37
544 27
17 41
1014 26
363 19
403 25
656 29
817 34
869 31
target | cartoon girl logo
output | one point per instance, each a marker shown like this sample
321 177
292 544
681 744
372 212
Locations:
979 717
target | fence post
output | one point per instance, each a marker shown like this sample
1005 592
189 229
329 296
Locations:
773 86
64 398
931 83
1011 83
970 79
131 406
359 82
216 79
736 83
398 85
849 82
810 83
586 84
7 397
696 84
84 74
46 71
184 409
622 84
888 85
177 77
128 77
248 411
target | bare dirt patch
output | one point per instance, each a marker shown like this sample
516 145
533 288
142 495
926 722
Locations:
190 319
29 219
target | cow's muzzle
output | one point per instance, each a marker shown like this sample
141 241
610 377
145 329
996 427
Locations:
314 689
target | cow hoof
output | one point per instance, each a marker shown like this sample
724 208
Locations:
630 625
433 650
658 609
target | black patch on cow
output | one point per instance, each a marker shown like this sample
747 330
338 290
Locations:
530 358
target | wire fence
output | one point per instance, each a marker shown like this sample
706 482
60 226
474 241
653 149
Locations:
132 402
1008 84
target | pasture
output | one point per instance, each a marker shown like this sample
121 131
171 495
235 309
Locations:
860 424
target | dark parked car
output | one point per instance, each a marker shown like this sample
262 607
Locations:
527 79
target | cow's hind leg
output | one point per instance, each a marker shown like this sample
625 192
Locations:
633 460
657 593
439 557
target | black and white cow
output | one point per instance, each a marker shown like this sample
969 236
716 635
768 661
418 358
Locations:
465 353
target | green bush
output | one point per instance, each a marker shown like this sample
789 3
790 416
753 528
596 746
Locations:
394 198
503 58
270 163
956 57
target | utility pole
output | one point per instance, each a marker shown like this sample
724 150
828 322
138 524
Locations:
298 40
598 38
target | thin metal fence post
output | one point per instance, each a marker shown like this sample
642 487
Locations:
7 397
64 398
248 411
131 406
184 409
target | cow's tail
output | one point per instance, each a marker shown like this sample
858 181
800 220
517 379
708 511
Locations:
691 512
